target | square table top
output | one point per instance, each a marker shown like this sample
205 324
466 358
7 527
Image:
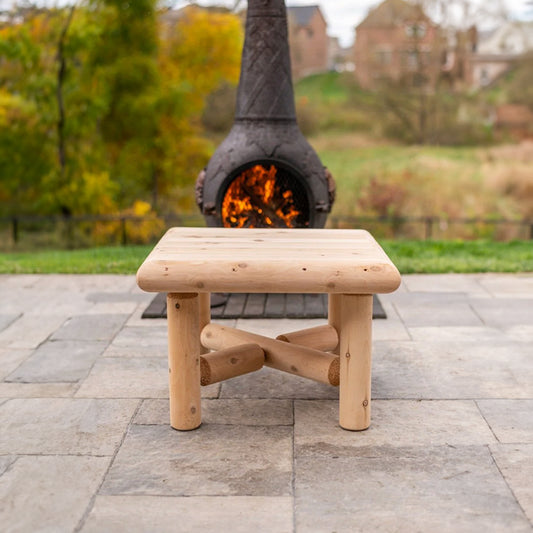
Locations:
268 261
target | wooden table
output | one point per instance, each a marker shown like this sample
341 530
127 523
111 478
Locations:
190 263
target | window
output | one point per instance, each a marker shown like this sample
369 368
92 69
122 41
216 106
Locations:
416 30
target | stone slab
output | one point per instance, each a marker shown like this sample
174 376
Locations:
515 462
394 423
392 328
131 377
112 308
521 333
7 319
85 282
213 460
402 489
457 333
58 361
508 285
113 377
420 312
470 285
228 412
451 370
62 303
37 492
63 425
137 341
29 331
10 359
510 420
270 383
238 514
504 312
90 328
5 462
37 390
19 281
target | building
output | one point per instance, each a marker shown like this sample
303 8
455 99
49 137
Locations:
308 40
397 40
497 50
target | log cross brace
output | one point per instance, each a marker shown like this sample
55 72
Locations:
303 353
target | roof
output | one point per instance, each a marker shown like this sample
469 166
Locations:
302 15
391 13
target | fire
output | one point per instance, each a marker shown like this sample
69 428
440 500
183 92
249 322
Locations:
255 200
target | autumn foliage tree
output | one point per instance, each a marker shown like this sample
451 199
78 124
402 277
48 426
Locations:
100 104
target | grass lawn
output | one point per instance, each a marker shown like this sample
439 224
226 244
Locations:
409 256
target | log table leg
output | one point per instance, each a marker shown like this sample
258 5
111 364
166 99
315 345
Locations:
205 315
355 361
183 318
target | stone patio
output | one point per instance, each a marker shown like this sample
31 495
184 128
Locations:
85 443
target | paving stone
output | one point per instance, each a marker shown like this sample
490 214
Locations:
85 282
136 318
213 460
117 297
5 462
30 330
132 377
515 462
15 301
395 423
58 361
504 312
90 327
10 359
233 412
270 383
238 514
63 425
381 488
62 303
506 285
457 333
37 492
392 328
37 390
417 312
510 420
454 283
451 370
522 333
7 319
17 281
126 377
137 341
113 308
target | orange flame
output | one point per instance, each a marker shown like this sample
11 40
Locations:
255 200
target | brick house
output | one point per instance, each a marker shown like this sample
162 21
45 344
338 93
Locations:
308 40
395 40
498 50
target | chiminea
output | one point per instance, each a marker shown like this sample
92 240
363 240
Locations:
265 173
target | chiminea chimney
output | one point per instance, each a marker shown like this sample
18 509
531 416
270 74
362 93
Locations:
265 141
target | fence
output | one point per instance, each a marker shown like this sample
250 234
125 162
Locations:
31 232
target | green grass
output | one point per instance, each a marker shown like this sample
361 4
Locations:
460 256
105 260
409 257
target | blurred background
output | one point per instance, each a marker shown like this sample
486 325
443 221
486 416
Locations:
109 109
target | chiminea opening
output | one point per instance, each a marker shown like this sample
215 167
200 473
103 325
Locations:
265 173
265 194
